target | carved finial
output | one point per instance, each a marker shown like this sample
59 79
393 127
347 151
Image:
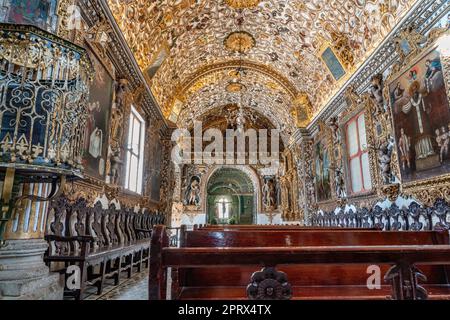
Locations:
269 284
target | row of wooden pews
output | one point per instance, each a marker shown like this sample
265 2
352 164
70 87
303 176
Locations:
291 262
101 243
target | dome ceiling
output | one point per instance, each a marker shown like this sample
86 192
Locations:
188 48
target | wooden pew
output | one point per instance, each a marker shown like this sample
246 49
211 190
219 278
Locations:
102 243
318 264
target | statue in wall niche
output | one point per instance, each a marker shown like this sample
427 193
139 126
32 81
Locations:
376 93
269 194
192 195
278 190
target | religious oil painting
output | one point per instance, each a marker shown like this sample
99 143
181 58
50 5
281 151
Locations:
39 13
333 64
97 128
322 168
421 119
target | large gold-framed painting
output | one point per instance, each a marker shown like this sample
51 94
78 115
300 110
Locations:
97 127
421 118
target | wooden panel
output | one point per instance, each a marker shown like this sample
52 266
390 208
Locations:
290 238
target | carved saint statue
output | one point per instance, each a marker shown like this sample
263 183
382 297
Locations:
376 92
385 158
339 183
269 194
334 125
116 163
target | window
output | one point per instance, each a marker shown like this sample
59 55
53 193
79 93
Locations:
135 152
223 207
358 155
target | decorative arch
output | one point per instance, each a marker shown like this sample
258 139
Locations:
247 170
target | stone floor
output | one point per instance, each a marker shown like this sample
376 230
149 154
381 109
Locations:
130 289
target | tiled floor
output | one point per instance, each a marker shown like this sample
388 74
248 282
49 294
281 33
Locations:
130 289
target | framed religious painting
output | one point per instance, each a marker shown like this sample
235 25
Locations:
421 118
97 128
322 167
39 13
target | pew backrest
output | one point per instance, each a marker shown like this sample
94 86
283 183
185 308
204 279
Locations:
295 238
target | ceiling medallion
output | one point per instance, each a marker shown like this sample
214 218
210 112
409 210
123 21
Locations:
242 4
235 87
239 41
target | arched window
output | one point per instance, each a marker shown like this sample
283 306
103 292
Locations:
223 209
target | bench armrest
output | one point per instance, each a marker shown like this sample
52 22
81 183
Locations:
52 237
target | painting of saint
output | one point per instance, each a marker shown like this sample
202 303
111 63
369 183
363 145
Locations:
192 194
39 13
97 125
322 172
421 116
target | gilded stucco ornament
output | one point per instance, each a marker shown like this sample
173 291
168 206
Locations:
239 41
242 4
195 30
235 87
302 110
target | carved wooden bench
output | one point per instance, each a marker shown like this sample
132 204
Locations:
102 243
316 264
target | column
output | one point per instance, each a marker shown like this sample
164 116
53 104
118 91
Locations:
23 273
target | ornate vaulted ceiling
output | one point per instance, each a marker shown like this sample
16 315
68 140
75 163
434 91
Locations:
268 50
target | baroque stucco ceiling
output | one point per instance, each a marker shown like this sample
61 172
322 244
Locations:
274 46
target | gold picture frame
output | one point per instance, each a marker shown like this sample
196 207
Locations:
414 65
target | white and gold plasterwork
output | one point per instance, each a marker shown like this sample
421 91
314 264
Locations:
287 36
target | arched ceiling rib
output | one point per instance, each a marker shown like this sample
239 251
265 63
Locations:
285 36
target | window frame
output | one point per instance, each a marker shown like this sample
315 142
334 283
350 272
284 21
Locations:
131 152
358 155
